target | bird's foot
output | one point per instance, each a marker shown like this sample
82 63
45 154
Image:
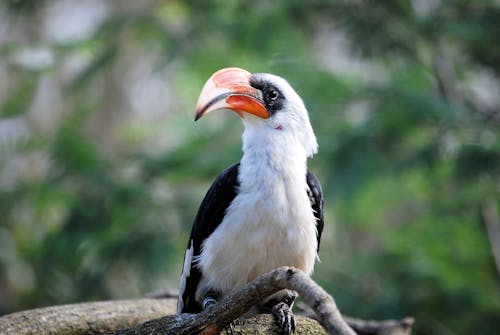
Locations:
230 328
284 317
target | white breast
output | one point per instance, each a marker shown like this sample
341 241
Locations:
269 224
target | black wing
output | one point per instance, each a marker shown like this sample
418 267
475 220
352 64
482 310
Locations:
210 215
315 194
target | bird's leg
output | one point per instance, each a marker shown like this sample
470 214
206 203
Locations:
210 300
281 309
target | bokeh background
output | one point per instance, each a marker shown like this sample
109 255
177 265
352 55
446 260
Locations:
102 168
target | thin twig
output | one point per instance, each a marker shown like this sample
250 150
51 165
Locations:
492 222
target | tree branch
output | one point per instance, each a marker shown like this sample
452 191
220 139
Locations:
387 327
85 318
99 317
213 320
491 220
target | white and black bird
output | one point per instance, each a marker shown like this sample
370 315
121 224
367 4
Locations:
261 213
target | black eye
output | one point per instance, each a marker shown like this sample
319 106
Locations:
272 95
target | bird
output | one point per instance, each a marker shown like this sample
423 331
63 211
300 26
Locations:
262 212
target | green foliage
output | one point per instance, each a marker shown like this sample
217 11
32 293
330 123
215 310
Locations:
94 206
17 101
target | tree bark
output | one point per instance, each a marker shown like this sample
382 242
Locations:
214 320
85 318
116 316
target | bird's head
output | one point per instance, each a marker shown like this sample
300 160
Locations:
266 103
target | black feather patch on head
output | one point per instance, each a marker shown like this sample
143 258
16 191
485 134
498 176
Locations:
272 96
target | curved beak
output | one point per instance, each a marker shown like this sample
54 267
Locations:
230 88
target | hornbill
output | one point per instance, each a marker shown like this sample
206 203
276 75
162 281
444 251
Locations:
261 213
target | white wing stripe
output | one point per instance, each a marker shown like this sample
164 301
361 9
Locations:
186 271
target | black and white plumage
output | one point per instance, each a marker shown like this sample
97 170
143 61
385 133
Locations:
265 211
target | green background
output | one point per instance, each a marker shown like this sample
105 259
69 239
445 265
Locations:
102 167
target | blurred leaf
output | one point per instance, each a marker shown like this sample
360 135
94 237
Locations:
104 58
19 98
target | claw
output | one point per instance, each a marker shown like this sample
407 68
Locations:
284 318
230 327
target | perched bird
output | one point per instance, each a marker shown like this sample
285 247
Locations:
261 213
